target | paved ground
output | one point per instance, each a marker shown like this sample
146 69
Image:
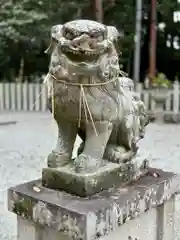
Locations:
25 145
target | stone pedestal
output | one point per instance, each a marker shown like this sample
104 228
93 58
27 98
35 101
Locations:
141 210
171 117
108 176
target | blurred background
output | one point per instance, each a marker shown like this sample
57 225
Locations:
149 44
25 32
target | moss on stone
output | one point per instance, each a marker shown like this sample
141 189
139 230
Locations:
23 207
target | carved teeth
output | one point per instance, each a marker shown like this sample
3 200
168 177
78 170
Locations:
88 53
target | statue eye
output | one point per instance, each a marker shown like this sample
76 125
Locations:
97 35
69 36
100 39
94 35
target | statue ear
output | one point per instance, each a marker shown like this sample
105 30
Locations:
56 34
112 33
114 36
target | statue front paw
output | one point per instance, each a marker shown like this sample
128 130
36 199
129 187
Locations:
86 164
57 159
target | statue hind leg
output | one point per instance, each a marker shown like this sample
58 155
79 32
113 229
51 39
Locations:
121 146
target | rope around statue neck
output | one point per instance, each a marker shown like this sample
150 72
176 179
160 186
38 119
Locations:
82 98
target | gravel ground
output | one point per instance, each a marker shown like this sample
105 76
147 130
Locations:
25 145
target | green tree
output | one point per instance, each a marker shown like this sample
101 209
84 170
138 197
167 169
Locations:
167 56
17 29
25 28
24 32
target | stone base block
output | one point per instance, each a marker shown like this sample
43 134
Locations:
143 209
168 117
108 176
172 118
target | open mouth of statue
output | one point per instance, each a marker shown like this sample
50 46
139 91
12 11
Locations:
82 54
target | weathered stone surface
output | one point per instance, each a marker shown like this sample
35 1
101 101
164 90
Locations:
172 118
87 96
111 174
90 218
168 117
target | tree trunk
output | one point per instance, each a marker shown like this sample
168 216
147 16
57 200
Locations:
98 9
153 39
21 71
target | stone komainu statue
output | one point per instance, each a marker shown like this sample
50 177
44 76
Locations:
87 97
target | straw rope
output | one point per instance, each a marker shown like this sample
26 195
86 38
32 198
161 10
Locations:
82 98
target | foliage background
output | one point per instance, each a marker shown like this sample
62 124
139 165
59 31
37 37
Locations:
25 30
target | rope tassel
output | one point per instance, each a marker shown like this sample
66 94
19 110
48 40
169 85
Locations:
80 107
86 107
53 99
